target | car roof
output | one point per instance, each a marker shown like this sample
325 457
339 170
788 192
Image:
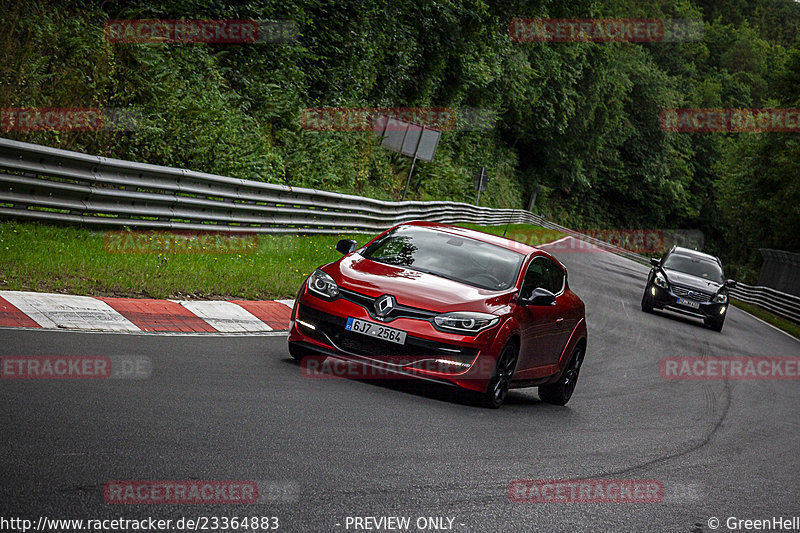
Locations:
680 250
502 242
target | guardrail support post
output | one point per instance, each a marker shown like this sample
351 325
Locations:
408 181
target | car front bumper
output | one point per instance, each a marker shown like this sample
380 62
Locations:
318 326
666 299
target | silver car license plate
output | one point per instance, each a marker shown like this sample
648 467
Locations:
689 303
376 331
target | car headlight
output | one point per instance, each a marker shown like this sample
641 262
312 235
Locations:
465 322
323 285
661 281
721 298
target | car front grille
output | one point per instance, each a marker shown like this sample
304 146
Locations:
330 328
368 303
696 295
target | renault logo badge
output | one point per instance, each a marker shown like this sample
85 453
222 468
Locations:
384 305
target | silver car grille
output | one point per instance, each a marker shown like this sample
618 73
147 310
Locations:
686 292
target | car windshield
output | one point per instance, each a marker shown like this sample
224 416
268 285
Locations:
461 259
702 268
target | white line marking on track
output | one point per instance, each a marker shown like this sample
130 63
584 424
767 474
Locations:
776 328
555 242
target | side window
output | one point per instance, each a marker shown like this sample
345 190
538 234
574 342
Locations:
535 277
556 277
545 274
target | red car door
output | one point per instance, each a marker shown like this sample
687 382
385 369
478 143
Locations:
542 328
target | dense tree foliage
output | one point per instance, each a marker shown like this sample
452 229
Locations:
578 122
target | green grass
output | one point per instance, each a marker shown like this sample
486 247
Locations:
45 258
779 322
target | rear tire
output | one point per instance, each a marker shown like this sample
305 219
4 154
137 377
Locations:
560 392
497 390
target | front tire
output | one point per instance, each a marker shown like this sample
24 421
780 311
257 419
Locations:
297 352
716 324
560 392
647 301
497 390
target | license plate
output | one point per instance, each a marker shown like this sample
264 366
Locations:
689 303
376 331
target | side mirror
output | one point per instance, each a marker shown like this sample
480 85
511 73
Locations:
345 246
539 297
730 283
655 262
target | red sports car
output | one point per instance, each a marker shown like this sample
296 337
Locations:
449 305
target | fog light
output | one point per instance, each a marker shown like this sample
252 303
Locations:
722 310
312 327
442 365
451 362
653 290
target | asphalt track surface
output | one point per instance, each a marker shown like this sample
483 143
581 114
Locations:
237 408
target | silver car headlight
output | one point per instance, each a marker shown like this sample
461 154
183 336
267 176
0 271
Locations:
465 322
323 285
661 281
721 298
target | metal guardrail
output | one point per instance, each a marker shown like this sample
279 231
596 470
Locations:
777 302
48 184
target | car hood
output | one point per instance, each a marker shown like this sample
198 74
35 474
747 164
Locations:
414 288
693 282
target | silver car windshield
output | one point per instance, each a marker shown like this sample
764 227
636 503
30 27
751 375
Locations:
454 257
